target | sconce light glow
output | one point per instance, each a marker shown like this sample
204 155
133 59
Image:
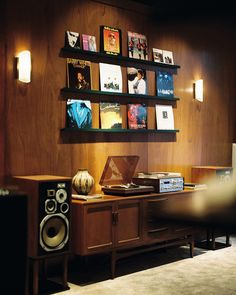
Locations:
199 90
24 66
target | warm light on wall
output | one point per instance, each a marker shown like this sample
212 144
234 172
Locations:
198 90
24 66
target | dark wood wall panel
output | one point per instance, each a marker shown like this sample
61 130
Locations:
36 112
2 91
2 113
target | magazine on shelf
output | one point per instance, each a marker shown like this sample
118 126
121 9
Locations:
157 55
89 42
137 81
110 77
137 116
164 84
72 39
79 113
164 117
110 115
137 46
87 197
78 73
110 40
168 57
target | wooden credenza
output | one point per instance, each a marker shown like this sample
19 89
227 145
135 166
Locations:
126 226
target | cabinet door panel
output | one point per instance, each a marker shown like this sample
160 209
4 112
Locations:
99 227
128 227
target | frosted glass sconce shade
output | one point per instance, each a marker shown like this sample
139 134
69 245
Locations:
24 66
198 90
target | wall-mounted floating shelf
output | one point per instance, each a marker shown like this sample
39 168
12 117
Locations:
114 59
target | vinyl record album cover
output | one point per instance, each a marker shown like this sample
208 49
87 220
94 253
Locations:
110 77
78 73
164 117
157 55
89 42
168 57
137 46
137 116
137 82
110 115
110 40
79 113
164 84
72 39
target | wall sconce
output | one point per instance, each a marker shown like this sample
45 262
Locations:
24 66
198 90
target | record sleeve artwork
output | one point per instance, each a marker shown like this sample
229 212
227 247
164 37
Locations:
137 46
79 113
137 116
78 73
164 84
110 77
110 115
110 40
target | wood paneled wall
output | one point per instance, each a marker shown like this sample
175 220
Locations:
36 112
2 92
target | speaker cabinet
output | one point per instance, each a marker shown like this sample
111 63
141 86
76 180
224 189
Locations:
201 174
49 200
13 246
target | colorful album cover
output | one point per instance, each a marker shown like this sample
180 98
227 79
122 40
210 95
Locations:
89 43
164 117
78 73
79 114
110 40
168 57
110 115
164 84
137 116
137 82
72 39
110 77
137 46
157 55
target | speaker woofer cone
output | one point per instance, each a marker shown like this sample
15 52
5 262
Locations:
54 232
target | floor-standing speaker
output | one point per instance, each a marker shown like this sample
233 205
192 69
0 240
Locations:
13 246
49 200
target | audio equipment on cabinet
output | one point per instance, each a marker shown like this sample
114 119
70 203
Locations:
162 182
201 174
49 200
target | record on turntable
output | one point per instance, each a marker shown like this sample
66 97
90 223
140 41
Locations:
117 176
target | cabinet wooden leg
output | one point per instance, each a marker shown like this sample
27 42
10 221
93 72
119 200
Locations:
27 292
191 244
65 271
35 277
113 264
213 242
208 239
227 239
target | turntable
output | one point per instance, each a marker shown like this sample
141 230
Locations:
117 176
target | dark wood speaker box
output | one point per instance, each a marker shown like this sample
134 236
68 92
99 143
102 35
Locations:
13 246
46 212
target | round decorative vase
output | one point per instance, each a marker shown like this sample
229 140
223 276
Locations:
82 182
